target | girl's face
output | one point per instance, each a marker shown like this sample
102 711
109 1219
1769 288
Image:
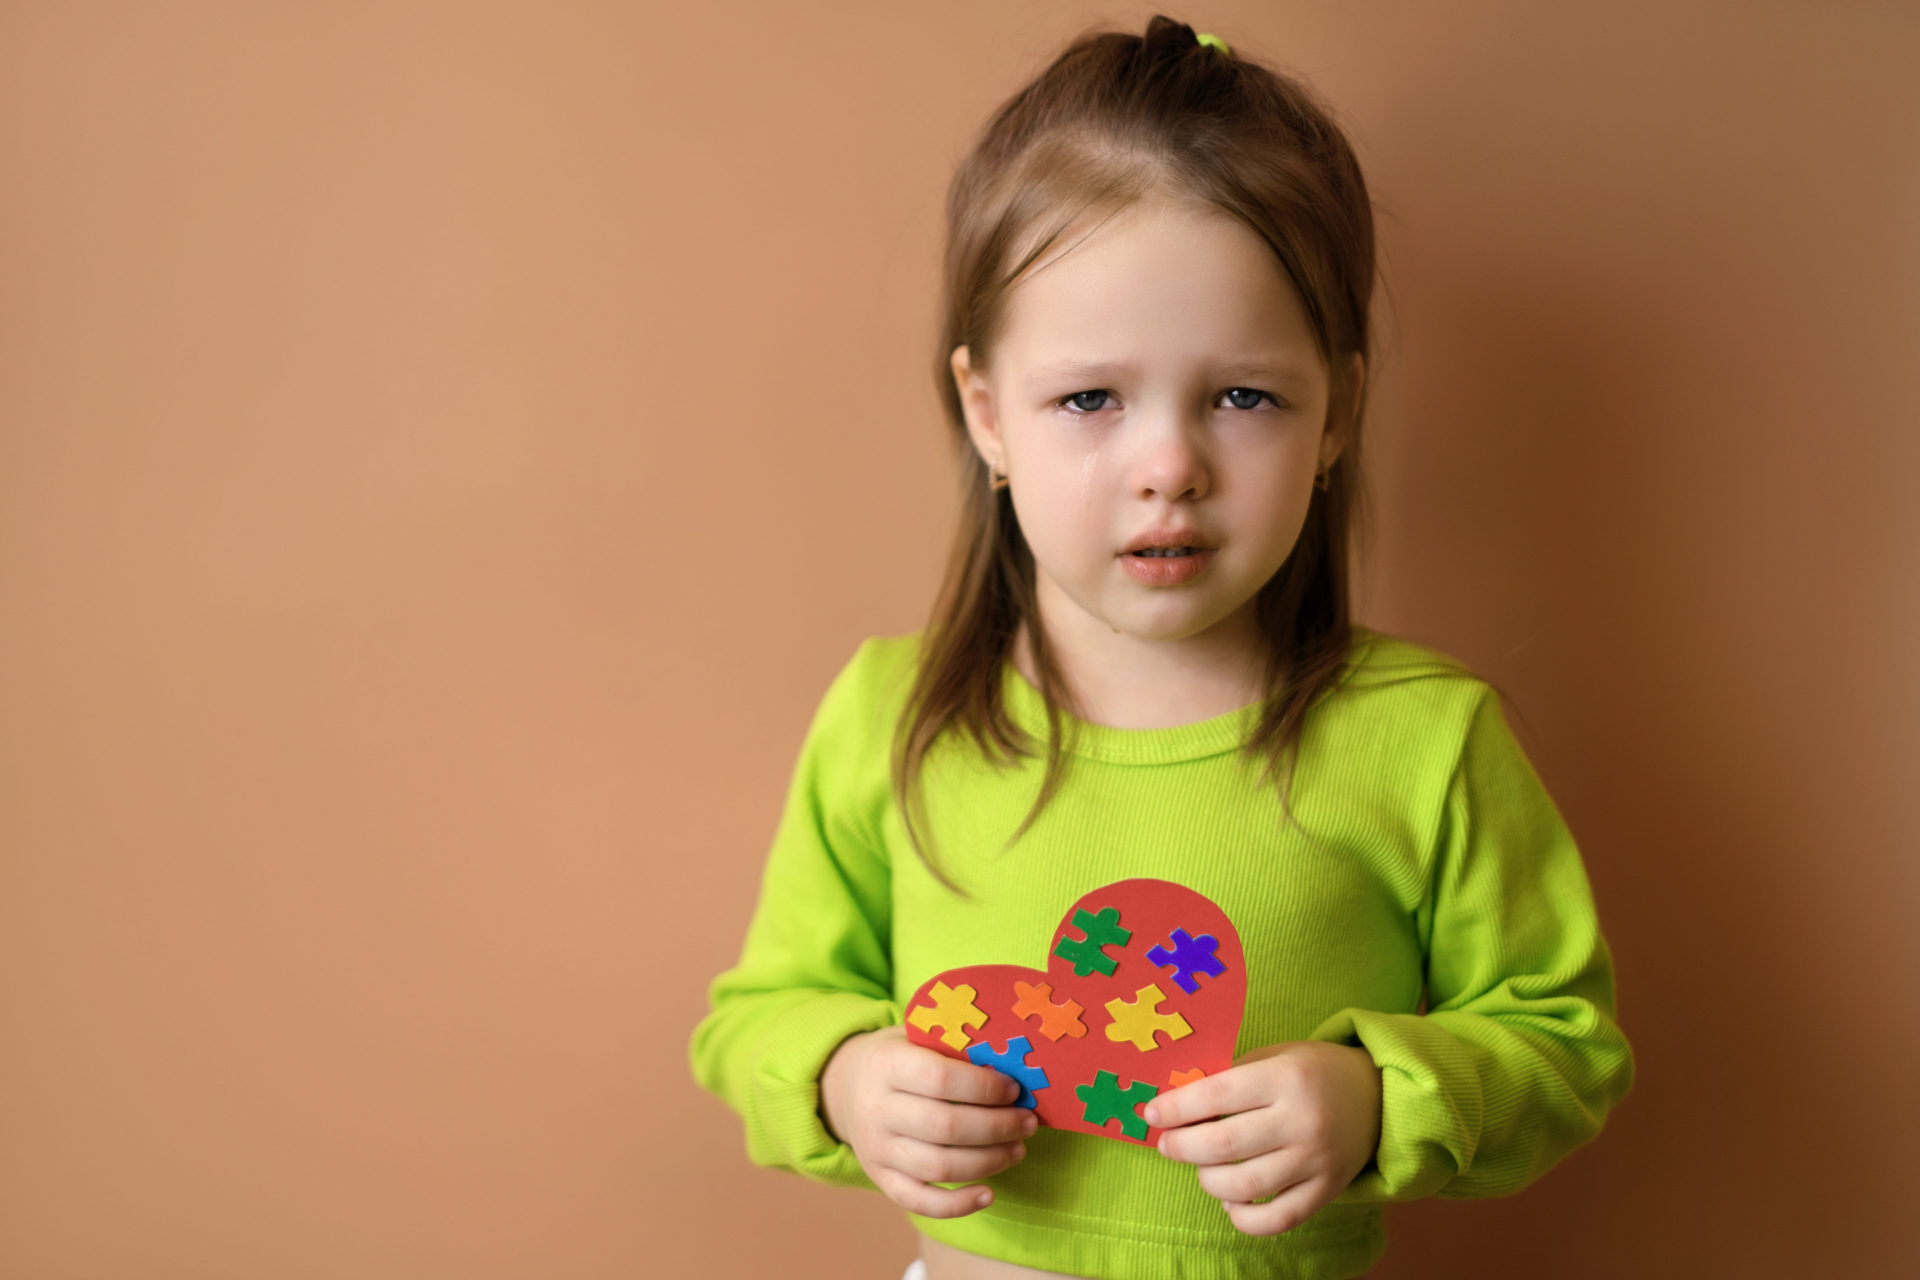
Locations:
1157 375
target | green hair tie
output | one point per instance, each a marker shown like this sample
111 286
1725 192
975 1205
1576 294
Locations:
1215 41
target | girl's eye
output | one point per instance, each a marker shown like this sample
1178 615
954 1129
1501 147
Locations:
1077 397
1085 402
1234 395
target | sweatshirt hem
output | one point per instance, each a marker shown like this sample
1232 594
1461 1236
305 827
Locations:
1086 1245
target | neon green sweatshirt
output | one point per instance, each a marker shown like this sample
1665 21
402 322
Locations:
1428 854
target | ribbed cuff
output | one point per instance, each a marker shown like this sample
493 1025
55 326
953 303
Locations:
1420 1119
794 1048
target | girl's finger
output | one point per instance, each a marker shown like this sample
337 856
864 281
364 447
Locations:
1236 1137
914 1068
1284 1212
930 1202
1250 1180
1236 1089
932 1163
956 1124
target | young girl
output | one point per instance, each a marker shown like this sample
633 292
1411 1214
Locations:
1159 265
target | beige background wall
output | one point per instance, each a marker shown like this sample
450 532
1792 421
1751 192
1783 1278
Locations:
444 451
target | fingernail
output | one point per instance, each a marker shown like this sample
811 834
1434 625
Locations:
983 1199
1029 1123
1019 1151
1152 1114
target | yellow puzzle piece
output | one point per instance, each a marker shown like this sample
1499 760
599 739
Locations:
952 1009
1136 1020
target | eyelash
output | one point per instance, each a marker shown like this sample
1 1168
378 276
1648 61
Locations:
1064 401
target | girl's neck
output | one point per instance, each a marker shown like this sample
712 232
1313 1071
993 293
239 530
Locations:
1128 683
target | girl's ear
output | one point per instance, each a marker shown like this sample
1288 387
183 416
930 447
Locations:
976 404
1341 410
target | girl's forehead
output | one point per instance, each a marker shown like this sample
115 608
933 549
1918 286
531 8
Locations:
1126 225
1155 279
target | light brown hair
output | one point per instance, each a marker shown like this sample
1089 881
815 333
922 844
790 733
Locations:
1115 119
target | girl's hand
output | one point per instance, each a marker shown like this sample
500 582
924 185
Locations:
915 1117
1298 1122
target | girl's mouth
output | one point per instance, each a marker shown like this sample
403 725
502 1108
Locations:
1167 566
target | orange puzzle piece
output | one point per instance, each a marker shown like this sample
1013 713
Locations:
1056 1020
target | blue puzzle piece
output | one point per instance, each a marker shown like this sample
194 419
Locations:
1189 956
1013 1063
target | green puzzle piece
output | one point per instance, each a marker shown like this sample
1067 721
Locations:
1101 930
1106 1100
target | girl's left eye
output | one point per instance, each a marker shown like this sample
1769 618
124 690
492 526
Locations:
1234 393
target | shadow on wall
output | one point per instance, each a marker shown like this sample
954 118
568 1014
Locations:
1552 488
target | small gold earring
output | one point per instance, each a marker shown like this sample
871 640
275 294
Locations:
1323 479
996 480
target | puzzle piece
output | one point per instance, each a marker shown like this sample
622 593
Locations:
953 1009
1013 1063
1106 1100
1056 1020
1137 1019
1101 930
1179 1078
1189 956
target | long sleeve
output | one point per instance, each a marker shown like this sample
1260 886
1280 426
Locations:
1518 1059
815 965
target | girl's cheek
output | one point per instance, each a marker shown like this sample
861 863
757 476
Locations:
1087 468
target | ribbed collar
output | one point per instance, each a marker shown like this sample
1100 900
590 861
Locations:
1210 737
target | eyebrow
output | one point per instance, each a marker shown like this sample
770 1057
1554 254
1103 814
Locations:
1094 370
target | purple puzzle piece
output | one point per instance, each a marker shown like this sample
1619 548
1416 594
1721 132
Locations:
1189 956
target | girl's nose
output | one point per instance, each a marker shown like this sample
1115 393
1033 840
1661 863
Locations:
1171 461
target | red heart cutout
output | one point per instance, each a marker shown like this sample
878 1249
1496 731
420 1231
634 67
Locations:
1145 986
